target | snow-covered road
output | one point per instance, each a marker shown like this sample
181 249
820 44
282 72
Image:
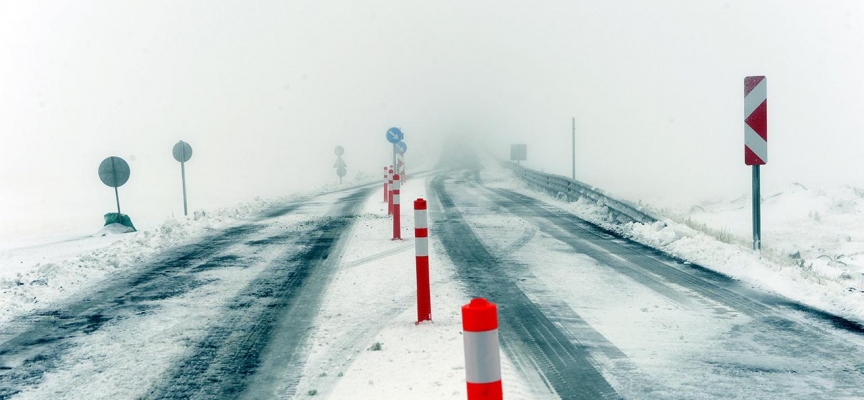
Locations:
313 299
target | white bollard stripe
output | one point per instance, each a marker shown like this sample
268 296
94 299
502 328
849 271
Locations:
755 97
396 198
482 358
755 143
420 219
422 246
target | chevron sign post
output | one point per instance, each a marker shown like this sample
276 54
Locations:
756 142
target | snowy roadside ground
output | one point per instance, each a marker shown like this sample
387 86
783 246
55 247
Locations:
38 273
820 282
128 356
366 344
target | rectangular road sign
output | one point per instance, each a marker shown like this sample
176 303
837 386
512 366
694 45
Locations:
755 120
519 152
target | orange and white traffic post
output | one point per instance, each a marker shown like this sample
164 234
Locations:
397 228
386 181
421 247
482 354
390 192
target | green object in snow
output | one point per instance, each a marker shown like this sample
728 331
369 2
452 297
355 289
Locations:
122 219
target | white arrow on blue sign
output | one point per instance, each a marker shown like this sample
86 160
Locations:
401 147
394 135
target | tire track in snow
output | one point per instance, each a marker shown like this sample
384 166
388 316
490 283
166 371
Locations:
256 351
525 331
783 329
36 342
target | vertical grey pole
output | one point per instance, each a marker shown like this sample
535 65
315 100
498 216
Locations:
117 196
183 174
574 148
757 211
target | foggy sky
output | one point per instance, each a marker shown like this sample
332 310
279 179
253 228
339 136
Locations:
264 90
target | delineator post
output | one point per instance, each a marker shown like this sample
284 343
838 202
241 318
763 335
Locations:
482 354
386 181
397 234
390 192
421 246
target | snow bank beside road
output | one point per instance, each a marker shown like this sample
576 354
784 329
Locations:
38 274
814 241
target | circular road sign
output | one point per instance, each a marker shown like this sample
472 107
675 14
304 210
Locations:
339 150
341 171
113 171
182 151
394 135
401 147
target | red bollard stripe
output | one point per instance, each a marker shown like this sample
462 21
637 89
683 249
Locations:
395 201
477 391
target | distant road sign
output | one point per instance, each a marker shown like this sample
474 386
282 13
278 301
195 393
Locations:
114 171
394 135
339 150
519 152
340 163
341 171
182 151
401 147
755 120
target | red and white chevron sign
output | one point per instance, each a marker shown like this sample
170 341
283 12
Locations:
755 120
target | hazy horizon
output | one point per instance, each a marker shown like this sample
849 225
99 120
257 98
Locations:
263 93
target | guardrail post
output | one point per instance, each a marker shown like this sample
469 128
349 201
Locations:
397 229
482 358
421 246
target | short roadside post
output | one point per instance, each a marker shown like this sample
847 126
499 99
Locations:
421 246
482 358
386 182
756 143
390 192
397 228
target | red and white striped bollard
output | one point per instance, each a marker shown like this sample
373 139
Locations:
397 228
421 247
390 193
482 357
386 179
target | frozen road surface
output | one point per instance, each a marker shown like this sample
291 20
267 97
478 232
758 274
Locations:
584 312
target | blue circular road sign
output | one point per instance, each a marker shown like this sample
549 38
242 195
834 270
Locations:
394 135
401 147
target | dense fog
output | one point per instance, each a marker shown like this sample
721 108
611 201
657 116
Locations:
263 91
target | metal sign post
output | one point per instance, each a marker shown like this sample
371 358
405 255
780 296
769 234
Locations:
756 142
183 152
340 163
574 148
114 172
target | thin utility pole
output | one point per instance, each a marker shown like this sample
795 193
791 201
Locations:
574 148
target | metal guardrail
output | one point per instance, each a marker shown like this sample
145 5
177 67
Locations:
572 190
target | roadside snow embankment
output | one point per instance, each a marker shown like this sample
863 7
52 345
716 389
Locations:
46 271
813 241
